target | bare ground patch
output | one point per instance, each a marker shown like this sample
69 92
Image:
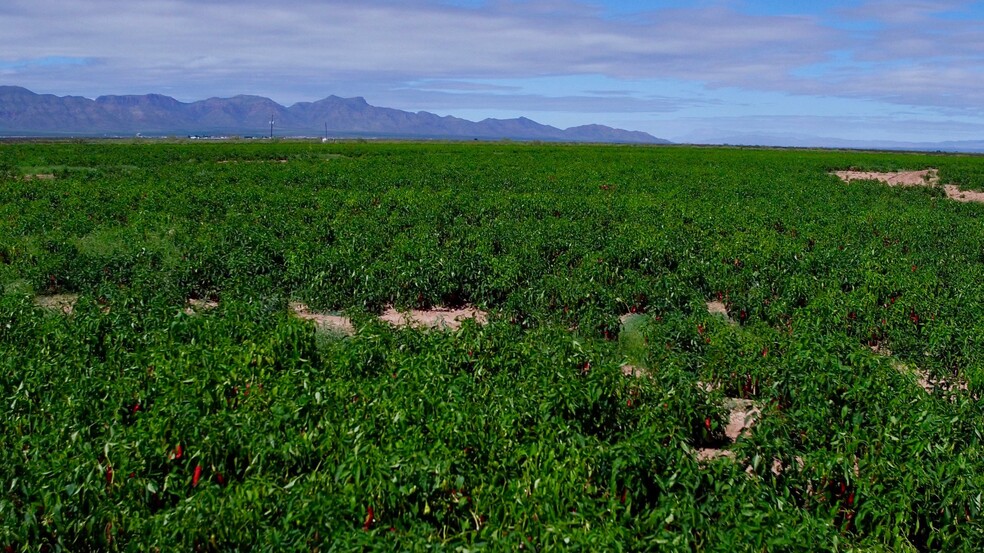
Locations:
929 383
63 303
332 323
197 305
720 309
966 196
225 161
743 414
632 370
926 177
439 317
922 377
40 176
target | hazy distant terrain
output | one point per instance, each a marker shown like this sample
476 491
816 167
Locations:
23 112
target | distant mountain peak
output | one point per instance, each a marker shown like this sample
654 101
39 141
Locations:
22 112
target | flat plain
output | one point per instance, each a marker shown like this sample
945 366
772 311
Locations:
400 346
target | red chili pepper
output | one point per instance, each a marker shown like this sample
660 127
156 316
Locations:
109 475
850 499
707 423
196 476
136 407
177 451
370 517
220 478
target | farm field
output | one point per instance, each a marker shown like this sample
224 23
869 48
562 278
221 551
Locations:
212 347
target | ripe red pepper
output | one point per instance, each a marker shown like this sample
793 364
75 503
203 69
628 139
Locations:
196 476
707 423
109 475
370 517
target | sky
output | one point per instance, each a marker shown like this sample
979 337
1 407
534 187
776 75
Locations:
701 71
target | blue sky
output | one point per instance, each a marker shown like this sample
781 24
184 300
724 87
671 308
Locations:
698 71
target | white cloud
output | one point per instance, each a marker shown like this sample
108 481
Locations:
416 40
439 56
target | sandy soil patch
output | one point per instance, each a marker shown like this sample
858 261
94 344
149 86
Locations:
64 303
224 161
929 383
926 177
719 309
923 378
440 318
196 305
632 370
716 307
332 323
743 414
40 176
965 196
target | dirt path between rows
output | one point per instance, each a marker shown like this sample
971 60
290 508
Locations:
926 177
64 303
438 318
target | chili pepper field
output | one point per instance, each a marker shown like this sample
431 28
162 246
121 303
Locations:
665 348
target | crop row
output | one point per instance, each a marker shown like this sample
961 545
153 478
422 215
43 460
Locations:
132 424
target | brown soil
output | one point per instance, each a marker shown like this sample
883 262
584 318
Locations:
223 161
57 302
40 176
923 378
926 177
194 305
632 370
332 323
440 318
717 308
966 196
743 415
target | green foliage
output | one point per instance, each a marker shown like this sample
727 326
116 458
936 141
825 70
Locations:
131 424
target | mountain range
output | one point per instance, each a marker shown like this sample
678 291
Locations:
25 113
